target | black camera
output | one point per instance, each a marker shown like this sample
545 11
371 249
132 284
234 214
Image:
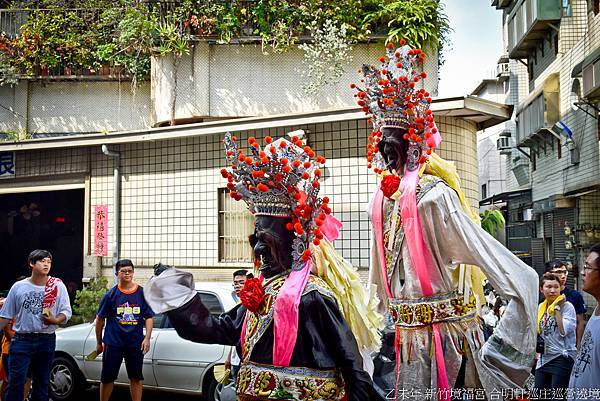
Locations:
540 345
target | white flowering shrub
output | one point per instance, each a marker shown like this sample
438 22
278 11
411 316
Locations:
326 56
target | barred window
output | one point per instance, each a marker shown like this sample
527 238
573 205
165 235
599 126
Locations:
236 223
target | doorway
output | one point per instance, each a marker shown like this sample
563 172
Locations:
51 220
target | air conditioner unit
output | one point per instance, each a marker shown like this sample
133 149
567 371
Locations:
591 81
528 215
501 69
503 145
574 155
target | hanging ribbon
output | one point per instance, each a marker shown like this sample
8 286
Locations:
285 317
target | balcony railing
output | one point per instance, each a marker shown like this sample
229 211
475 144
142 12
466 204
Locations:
196 24
529 23
535 120
103 72
202 25
63 63
191 23
243 25
11 20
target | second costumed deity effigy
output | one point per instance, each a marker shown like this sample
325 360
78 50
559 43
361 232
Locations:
302 326
429 255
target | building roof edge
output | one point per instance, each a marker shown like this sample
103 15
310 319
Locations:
484 112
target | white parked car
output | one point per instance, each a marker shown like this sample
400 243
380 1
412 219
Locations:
171 364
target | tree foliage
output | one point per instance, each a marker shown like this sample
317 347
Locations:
492 221
89 34
421 23
87 300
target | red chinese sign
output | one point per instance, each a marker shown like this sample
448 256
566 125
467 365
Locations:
101 230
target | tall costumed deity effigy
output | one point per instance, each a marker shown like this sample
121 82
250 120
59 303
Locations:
304 325
429 255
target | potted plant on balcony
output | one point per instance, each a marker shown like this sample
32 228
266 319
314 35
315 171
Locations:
8 71
103 57
421 23
69 70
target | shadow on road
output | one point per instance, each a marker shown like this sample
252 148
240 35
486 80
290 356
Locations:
122 394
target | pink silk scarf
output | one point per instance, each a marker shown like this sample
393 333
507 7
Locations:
285 326
422 260
285 314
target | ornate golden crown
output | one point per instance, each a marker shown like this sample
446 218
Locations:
281 180
390 99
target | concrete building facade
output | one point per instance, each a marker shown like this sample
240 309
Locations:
556 121
172 206
172 201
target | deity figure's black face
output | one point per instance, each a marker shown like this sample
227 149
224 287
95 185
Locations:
272 244
394 149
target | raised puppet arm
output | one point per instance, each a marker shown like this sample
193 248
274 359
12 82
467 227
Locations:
172 291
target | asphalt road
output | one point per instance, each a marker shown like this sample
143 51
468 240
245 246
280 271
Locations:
122 394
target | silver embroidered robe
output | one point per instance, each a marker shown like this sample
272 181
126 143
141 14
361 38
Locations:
504 361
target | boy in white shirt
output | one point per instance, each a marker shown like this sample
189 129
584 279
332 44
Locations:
39 303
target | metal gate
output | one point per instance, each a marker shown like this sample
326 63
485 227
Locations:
563 218
537 252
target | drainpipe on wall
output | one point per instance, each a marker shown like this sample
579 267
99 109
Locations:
116 204
27 103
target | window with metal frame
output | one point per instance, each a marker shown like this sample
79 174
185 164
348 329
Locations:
236 223
210 300
566 8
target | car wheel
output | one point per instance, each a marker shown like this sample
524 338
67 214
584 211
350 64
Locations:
66 380
225 393
211 390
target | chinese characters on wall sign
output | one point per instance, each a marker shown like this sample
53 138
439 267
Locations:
101 230
7 165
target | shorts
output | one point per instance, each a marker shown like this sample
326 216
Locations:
112 359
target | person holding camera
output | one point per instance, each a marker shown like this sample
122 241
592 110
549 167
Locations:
557 324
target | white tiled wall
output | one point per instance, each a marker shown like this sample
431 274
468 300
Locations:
13 114
75 107
51 164
169 191
242 80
